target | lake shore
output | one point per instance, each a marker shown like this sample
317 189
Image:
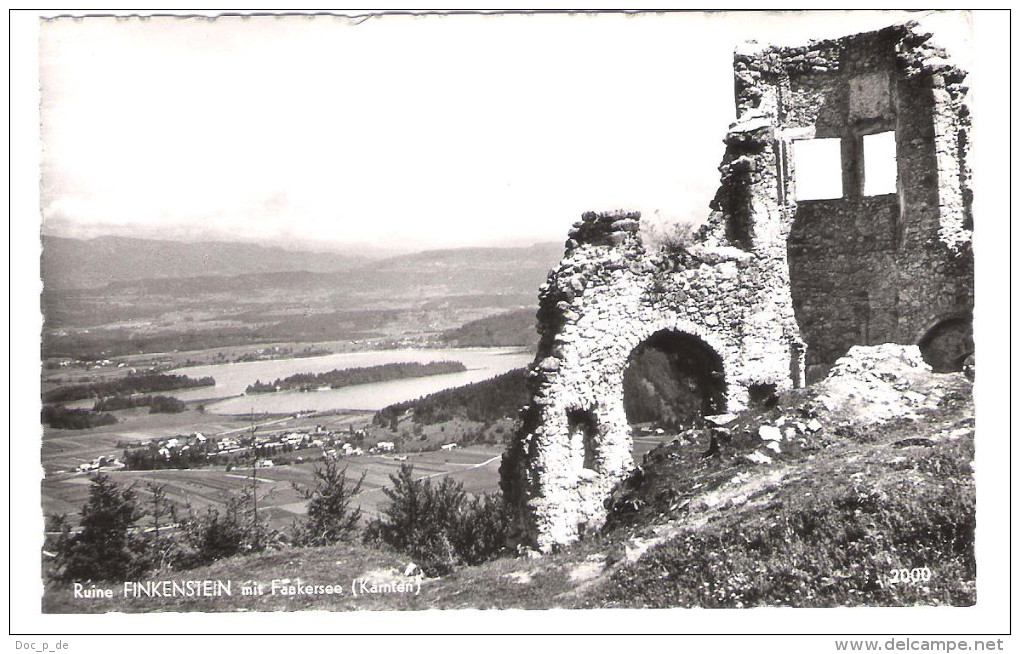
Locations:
228 398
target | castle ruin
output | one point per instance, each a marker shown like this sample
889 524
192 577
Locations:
869 243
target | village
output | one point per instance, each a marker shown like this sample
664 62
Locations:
284 447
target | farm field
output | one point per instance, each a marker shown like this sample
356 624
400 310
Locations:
476 466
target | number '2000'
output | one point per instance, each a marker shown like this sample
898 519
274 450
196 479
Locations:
911 576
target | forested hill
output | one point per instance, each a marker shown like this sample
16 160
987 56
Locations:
485 402
510 328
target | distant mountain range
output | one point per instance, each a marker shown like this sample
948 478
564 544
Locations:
120 295
115 261
77 263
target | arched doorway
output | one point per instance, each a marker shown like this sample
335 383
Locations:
947 346
671 380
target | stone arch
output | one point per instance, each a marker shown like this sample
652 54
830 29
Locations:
673 377
947 345
713 339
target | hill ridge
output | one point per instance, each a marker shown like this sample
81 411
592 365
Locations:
89 263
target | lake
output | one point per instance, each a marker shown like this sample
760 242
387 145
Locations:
233 378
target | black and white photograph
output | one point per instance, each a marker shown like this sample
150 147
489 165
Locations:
592 314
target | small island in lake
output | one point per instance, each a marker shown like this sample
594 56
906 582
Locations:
354 376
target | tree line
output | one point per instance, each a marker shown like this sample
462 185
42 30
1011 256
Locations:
60 417
156 403
132 383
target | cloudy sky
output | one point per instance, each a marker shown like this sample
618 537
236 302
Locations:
392 132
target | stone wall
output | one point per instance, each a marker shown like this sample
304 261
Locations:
882 268
769 288
606 298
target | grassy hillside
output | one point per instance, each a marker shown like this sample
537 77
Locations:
820 500
828 524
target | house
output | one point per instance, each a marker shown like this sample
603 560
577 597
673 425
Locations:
449 446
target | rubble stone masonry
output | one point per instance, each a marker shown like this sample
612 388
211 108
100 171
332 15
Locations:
771 290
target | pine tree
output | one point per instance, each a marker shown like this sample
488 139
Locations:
161 546
330 516
108 546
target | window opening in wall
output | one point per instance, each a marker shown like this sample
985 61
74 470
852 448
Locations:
818 169
880 163
582 424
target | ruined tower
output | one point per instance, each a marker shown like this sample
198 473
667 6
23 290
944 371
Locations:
869 243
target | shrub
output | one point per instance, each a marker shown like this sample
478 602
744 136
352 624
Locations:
439 525
670 237
330 516
482 533
214 535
